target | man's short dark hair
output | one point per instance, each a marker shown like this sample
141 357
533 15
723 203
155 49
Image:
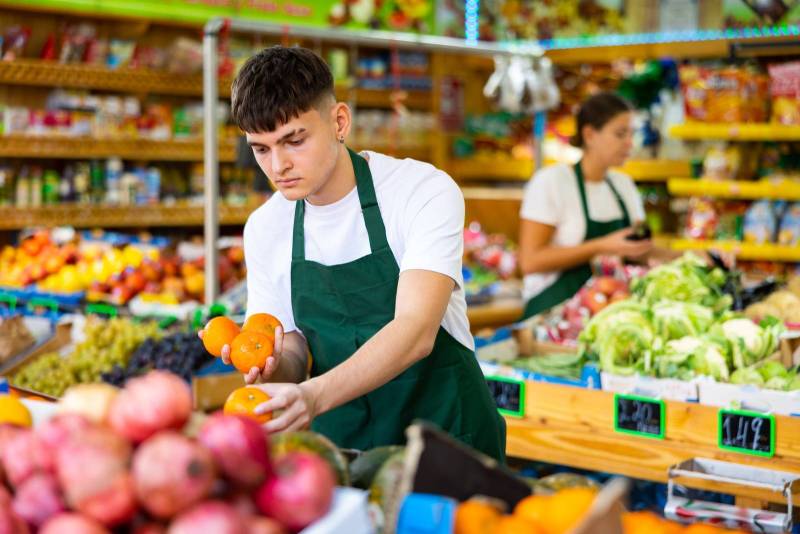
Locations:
277 85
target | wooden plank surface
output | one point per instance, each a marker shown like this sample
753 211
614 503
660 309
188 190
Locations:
574 427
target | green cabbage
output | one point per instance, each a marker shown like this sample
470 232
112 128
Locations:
686 279
675 320
621 337
772 369
693 356
747 376
750 343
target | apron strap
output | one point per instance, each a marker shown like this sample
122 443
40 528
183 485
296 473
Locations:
369 203
582 190
369 209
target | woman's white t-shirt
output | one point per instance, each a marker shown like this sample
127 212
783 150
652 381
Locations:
552 197
423 212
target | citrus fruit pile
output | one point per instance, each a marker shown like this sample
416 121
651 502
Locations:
250 345
558 514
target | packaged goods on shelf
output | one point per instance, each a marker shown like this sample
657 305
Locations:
725 93
785 90
385 128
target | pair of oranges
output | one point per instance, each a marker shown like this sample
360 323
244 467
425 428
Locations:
250 345
537 514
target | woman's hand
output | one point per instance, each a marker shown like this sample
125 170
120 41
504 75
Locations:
297 403
616 243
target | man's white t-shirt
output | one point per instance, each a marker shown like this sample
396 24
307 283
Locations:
552 197
423 212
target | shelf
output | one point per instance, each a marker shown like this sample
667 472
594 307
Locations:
382 98
656 170
49 74
494 314
90 216
701 131
489 168
753 190
37 73
743 251
87 148
574 426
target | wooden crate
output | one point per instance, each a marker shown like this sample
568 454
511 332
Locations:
575 427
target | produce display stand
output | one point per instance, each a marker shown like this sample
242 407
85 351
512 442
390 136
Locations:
495 313
574 427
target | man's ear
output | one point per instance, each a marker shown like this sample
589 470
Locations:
342 119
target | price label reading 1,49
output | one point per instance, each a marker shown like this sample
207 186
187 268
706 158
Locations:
746 432
641 416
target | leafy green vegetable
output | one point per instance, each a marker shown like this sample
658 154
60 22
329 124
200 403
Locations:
749 342
747 375
692 356
675 320
559 365
772 369
621 337
686 279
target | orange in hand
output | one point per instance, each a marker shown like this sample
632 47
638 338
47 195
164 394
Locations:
251 349
219 331
262 323
243 401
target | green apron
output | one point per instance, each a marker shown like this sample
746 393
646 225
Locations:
340 307
572 280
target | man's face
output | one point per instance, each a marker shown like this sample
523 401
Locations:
298 157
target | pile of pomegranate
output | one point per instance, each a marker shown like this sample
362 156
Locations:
136 471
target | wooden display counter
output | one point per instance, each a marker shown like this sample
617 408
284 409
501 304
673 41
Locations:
496 313
575 427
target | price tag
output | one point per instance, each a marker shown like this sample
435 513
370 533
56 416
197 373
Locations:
509 394
640 416
746 432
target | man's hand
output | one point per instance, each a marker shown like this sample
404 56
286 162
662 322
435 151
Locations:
297 403
255 374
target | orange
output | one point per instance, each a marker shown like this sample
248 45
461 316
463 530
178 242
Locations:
244 400
12 411
512 524
251 349
534 508
263 323
567 507
475 517
218 332
648 523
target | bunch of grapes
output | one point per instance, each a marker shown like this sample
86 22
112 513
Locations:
181 353
108 343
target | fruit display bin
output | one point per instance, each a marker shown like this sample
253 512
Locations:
576 427
210 386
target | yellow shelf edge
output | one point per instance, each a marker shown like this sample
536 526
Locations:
736 189
744 251
735 131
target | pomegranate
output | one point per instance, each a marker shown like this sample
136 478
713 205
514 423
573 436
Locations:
172 473
150 528
243 503
93 471
71 523
57 430
210 516
11 523
38 499
23 455
300 492
156 401
264 525
7 432
239 446
93 401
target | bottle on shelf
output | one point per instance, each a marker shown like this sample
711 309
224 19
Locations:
66 186
82 187
113 175
6 192
153 185
23 189
97 183
50 187
36 187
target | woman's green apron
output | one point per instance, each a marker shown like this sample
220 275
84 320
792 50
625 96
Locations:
572 280
340 307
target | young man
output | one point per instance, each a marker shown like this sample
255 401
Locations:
359 256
